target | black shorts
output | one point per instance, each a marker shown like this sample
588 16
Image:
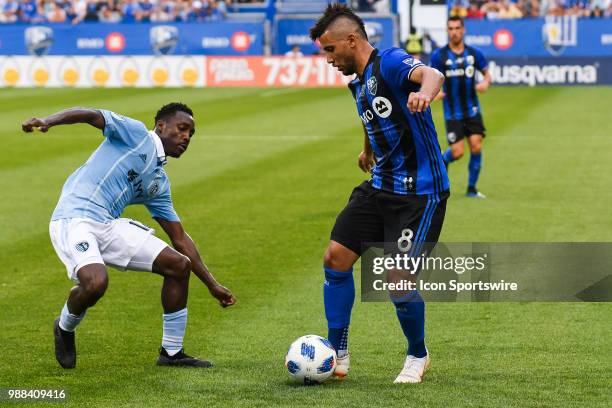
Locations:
376 216
456 130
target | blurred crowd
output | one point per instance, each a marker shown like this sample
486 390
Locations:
111 11
500 9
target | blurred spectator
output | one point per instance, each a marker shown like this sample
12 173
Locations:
475 12
163 12
294 52
10 11
508 10
459 8
146 10
55 13
28 12
108 13
213 12
531 8
129 10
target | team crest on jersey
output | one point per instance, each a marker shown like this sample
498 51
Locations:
153 188
469 71
82 246
372 85
470 59
382 106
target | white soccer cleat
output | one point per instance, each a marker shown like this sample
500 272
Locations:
413 371
342 366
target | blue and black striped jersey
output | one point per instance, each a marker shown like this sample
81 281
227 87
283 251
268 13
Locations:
405 144
461 101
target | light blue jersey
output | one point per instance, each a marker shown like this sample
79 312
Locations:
125 169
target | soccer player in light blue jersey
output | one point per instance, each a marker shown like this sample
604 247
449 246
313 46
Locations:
88 235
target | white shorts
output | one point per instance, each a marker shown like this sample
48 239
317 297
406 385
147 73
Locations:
122 243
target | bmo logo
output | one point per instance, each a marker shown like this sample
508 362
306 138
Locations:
503 39
115 42
382 106
240 41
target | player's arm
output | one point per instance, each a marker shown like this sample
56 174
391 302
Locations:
366 157
183 243
483 85
431 81
65 117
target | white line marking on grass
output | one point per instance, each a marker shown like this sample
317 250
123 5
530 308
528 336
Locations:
263 137
281 91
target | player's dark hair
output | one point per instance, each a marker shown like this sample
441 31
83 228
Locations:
333 12
170 109
455 18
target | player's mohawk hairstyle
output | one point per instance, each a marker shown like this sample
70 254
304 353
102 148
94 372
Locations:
170 109
333 12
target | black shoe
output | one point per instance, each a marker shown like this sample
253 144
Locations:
181 359
65 349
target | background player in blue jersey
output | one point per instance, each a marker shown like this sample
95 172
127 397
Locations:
405 200
459 63
88 235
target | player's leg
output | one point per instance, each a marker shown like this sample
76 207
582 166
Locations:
93 281
154 255
77 247
176 269
338 298
358 223
476 131
421 218
454 136
474 166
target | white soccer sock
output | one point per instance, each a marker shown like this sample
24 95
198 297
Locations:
174 331
68 321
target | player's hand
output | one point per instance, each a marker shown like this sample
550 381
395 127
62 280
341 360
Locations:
418 102
482 86
365 161
223 295
34 123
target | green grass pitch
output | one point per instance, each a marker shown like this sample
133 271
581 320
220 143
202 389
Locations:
259 189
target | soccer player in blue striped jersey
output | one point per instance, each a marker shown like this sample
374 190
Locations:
88 235
459 63
405 199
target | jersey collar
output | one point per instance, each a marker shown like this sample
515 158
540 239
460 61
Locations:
373 55
161 154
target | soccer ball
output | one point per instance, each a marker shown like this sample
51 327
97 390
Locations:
310 360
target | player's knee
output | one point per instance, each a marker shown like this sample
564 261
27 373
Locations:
95 287
457 152
333 260
182 267
476 148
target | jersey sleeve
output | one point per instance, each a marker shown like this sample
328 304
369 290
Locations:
396 67
435 61
162 207
481 62
124 130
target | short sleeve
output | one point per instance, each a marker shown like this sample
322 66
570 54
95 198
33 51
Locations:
161 205
481 62
119 128
396 66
